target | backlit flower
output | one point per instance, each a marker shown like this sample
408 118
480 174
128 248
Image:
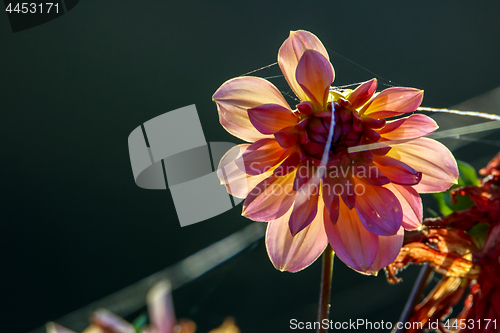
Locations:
364 199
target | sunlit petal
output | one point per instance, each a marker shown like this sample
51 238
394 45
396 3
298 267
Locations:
393 102
294 253
236 96
290 53
353 244
431 158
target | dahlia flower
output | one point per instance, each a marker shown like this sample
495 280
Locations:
364 200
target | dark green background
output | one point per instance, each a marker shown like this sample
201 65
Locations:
75 227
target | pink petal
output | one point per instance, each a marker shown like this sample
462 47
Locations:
109 322
289 164
393 101
398 172
287 137
353 244
270 199
305 207
411 203
315 75
362 94
294 253
290 53
370 174
347 193
161 307
388 250
238 182
435 162
330 193
56 328
379 210
271 118
261 156
236 96
411 127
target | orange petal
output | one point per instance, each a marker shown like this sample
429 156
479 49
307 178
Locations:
294 253
315 75
393 101
290 53
435 162
237 181
270 199
236 96
271 118
362 93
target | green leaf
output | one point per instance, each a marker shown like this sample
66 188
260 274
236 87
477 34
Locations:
468 173
443 207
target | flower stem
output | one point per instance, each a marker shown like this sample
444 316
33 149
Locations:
326 288
415 295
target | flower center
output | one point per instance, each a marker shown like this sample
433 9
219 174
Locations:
350 130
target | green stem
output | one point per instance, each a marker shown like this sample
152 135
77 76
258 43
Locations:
326 288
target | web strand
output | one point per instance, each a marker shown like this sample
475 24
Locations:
259 69
462 113
451 133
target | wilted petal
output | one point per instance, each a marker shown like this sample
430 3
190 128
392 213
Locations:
236 96
315 75
271 118
362 93
294 253
411 203
379 210
161 307
261 156
353 244
411 127
388 250
398 172
270 199
290 53
394 101
237 181
431 158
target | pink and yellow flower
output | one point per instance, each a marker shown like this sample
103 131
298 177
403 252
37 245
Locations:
365 199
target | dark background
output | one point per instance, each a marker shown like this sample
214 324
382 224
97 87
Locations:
75 227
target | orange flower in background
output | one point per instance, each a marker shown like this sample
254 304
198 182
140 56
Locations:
364 200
